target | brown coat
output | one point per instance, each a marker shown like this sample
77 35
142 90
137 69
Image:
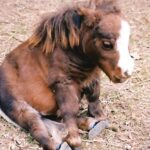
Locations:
59 64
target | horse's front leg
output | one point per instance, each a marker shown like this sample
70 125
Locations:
92 93
67 98
97 120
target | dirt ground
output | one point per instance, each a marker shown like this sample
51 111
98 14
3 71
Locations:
127 105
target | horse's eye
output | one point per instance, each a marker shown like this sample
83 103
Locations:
107 45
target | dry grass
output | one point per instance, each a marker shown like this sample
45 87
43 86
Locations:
127 105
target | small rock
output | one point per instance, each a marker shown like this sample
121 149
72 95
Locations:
127 147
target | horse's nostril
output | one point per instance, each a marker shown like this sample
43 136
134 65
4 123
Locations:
132 56
127 74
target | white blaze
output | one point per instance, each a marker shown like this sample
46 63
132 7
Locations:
126 63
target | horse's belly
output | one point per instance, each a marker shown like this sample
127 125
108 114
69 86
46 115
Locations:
45 107
41 98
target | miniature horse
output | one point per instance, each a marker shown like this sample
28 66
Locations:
61 62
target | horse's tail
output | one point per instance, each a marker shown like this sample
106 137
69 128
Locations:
5 117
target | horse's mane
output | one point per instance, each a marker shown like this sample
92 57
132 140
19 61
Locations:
59 29
63 29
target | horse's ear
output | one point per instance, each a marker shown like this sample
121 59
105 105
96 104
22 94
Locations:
91 16
96 3
107 6
93 4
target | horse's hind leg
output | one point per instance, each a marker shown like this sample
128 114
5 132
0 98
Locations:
28 118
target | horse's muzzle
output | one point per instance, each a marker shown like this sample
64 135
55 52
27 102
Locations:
117 79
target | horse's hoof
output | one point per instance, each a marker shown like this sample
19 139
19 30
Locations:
76 148
64 146
97 128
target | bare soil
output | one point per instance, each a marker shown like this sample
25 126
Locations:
127 105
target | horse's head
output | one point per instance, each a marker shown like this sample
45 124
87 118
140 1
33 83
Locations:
99 31
107 42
